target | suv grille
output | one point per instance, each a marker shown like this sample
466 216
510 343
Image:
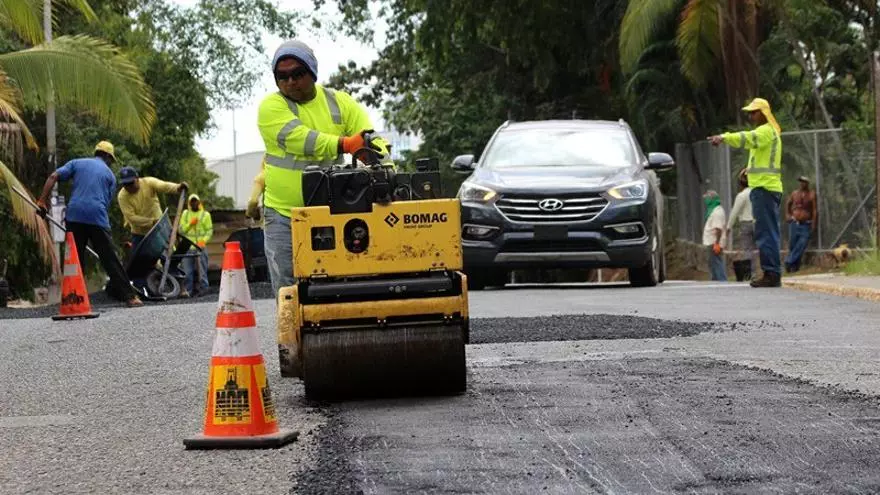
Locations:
575 208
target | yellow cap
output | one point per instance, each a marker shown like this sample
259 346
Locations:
764 107
106 147
757 104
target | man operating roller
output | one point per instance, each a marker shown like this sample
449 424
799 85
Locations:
303 124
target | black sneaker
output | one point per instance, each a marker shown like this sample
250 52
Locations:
768 280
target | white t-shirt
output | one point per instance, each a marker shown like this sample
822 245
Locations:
742 208
716 220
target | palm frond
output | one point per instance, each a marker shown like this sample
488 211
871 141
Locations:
88 73
9 110
23 17
28 217
639 25
647 78
83 7
699 40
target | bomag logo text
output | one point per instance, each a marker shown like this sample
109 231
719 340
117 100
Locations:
423 220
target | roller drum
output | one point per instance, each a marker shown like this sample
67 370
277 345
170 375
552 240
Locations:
384 361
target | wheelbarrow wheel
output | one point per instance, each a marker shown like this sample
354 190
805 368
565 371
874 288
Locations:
169 290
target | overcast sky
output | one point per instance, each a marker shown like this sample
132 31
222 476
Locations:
330 54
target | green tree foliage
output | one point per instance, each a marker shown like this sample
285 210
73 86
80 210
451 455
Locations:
455 70
80 72
193 59
221 40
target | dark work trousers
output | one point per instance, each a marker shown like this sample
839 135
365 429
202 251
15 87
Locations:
765 209
102 243
798 238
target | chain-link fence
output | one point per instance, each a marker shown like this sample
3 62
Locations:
839 165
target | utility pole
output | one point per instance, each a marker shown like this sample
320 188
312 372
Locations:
876 81
51 147
234 159
50 106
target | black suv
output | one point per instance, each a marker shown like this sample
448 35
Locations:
562 194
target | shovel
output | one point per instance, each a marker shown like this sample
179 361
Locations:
173 239
49 217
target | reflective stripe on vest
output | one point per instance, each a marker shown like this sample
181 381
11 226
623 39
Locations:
311 137
771 168
291 163
335 114
283 177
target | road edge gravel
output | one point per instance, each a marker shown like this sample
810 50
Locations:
865 293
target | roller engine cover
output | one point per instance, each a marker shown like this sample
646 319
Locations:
354 190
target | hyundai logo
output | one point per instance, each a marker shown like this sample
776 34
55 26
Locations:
550 204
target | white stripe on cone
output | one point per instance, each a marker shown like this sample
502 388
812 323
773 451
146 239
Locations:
235 295
236 342
71 270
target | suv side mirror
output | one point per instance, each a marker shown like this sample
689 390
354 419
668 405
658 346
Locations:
464 164
660 161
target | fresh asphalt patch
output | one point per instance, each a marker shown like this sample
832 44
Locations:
590 327
622 426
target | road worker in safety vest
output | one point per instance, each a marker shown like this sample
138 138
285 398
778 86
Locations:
197 228
764 171
303 124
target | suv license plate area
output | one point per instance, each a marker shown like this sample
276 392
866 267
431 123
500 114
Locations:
551 232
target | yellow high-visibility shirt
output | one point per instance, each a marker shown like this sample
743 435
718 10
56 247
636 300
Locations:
201 232
297 135
142 210
765 155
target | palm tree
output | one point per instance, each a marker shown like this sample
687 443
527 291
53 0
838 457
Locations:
77 71
710 33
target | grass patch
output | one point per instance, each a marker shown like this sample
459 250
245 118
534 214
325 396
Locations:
868 264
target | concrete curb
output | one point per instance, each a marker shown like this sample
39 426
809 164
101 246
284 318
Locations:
834 289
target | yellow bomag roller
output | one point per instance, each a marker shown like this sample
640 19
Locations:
380 305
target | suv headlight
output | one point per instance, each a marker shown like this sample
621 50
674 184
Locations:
631 191
474 193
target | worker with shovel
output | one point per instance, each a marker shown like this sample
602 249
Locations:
87 218
139 202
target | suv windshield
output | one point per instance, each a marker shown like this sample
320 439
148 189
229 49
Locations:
564 147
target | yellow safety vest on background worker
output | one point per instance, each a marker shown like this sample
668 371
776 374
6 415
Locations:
765 155
201 232
297 135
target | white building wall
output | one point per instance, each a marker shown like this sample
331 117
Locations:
248 168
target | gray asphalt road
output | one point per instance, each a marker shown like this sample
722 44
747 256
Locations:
701 388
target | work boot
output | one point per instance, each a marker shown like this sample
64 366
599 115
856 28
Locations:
134 302
768 280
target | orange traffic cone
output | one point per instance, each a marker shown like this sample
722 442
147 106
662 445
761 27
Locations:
74 295
239 410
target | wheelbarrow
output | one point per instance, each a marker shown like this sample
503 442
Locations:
144 261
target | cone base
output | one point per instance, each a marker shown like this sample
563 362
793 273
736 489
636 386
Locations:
84 316
271 441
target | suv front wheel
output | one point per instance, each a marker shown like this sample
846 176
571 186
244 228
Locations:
487 277
649 275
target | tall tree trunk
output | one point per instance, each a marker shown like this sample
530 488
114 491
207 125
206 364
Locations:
739 41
